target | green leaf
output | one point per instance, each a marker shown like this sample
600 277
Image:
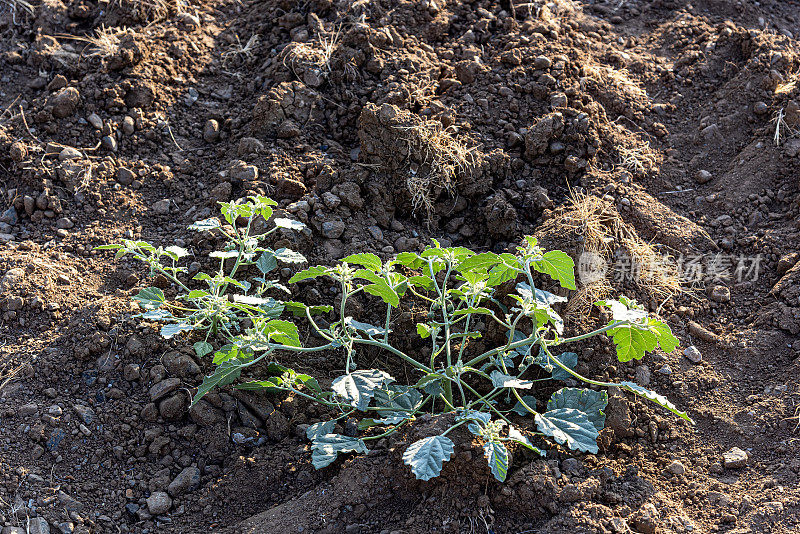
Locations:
224 254
408 259
502 380
205 225
522 439
223 375
632 342
655 397
569 359
197 294
267 262
326 447
624 309
366 260
358 387
425 282
569 427
290 224
370 330
284 332
427 456
398 398
272 385
479 262
202 348
320 429
666 340
559 266
298 309
150 298
289 256
590 402
497 456
158 315
170 330
312 272
424 330
108 247
520 409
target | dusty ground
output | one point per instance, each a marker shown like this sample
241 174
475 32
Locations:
678 121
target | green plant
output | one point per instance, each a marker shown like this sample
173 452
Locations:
461 293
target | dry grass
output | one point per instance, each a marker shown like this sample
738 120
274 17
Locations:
782 130
313 54
102 45
440 159
610 78
18 8
244 52
614 246
148 10
637 158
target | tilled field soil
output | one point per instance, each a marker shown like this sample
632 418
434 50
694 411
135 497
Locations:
642 128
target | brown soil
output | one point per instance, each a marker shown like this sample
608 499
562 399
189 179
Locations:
471 122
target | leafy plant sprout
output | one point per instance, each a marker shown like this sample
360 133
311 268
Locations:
483 389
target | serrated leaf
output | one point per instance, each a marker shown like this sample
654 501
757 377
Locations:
477 310
358 387
289 256
666 340
559 266
539 296
366 260
320 429
224 254
590 402
473 415
222 376
569 427
369 329
520 409
398 398
150 298
502 380
497 456
267 262
168 331
427 456
632 342
624 309
202 348
290 224
655 397
312 272
326 447
408 259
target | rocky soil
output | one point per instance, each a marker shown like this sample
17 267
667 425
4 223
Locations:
382 124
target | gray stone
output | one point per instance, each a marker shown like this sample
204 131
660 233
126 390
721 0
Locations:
333 229
187 480
159 503
69 153
735 458
676 468
95 120
642 375
211 131
125 176
161 207
38 525
703 176
693 354
109 142
131 372
27 409
173 407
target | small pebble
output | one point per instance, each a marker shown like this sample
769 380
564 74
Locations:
693 354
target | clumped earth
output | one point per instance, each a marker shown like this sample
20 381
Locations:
630 129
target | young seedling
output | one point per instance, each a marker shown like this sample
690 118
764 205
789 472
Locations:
490 391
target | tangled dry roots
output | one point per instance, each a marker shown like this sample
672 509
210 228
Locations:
442 160
606 240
